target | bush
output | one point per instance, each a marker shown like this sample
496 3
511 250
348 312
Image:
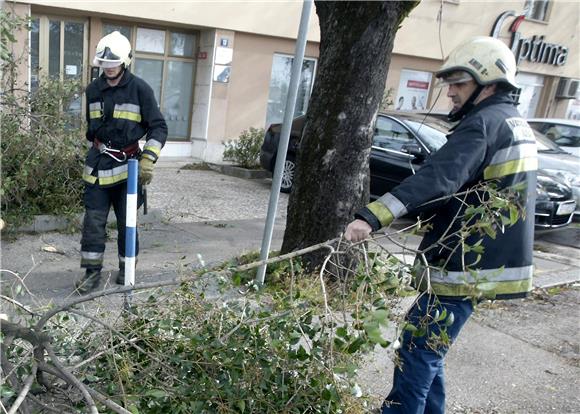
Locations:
42 149
245 151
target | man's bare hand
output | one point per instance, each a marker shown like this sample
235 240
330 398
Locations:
358 230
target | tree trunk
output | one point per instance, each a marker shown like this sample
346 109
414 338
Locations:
332 182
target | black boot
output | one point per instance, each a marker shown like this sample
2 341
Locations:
89 282
121 276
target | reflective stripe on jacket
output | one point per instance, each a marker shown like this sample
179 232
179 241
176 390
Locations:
492 142
118 117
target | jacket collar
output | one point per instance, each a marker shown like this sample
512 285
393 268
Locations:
496 98
125 79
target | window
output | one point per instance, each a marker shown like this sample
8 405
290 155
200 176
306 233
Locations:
165 59
391 135
529 93
57 52
536 9
432 135
110 28
279 84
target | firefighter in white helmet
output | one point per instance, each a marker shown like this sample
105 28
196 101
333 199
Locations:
491 143
121 109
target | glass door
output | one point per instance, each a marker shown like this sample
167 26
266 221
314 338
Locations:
58 49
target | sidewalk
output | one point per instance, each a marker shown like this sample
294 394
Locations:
203 216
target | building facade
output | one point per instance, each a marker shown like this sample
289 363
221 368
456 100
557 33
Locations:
218 68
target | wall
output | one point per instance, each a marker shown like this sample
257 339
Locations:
279 18
250 82
420 35
20 53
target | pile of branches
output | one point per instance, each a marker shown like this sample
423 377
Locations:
293 345
213 341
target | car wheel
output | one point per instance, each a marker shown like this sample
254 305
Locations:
288 174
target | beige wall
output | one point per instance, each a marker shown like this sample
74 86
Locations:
419 35
274 18
258 30
20 47
247 91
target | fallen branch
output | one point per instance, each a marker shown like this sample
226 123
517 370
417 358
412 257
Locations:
97 395
72 379
24 391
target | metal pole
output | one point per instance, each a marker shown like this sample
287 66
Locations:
131 227
284 137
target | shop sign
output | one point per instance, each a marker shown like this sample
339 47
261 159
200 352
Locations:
535 48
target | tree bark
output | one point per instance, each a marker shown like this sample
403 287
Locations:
332 182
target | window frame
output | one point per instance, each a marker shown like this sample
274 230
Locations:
44 20
164 57
314 72
43 44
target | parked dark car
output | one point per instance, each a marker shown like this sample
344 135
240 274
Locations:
401 144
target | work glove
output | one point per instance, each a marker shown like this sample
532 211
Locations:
145 171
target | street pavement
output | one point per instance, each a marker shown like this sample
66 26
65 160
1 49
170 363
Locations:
513 357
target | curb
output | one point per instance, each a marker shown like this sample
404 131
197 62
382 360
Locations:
45 223
239 172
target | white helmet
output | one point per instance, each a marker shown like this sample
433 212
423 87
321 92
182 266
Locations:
487 59
113 50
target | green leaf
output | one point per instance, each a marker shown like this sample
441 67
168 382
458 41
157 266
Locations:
376 337
156 393
6 391
514 214
488 229
241 405
381 316
355 345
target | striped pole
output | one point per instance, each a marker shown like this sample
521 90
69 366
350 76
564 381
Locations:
131 223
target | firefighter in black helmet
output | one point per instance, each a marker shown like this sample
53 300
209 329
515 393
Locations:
121 109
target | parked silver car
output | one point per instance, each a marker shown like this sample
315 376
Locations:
554 161
563 132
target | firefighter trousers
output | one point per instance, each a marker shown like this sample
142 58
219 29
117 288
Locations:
418 381
98 201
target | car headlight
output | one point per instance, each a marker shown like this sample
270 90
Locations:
541 192
573 180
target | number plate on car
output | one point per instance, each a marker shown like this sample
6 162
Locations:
566 208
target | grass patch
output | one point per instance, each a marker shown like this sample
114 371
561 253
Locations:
197 166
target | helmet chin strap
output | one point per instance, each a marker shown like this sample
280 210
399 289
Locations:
117 76
467 106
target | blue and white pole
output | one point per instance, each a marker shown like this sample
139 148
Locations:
131 223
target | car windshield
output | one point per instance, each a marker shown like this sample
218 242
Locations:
431 134
544 143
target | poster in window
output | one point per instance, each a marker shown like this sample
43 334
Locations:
413 91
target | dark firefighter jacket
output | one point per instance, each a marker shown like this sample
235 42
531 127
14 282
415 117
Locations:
118 117
491 143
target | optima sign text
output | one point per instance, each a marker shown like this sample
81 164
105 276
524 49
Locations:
534 49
